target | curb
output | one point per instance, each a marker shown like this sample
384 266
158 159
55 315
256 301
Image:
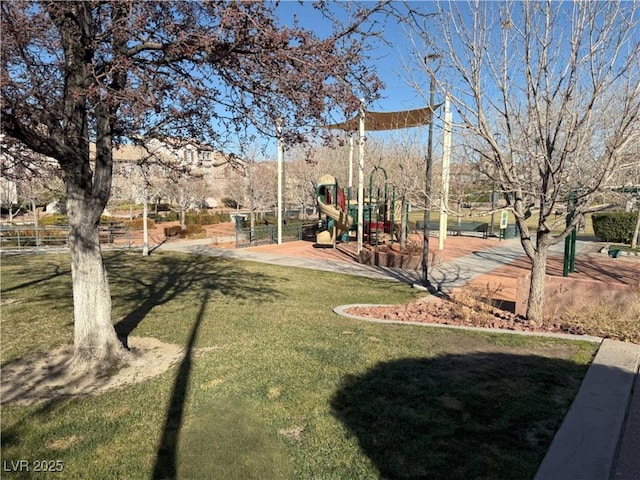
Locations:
341 310
584 447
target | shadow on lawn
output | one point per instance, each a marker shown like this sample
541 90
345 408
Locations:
482 415
166 458
139 285
205 279
148 283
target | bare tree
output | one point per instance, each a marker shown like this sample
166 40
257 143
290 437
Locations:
302 178
256 189
405 161
549 92
74 73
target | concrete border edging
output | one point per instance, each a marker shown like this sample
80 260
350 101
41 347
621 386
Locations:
342 311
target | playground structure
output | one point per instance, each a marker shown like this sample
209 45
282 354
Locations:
332 203
381 211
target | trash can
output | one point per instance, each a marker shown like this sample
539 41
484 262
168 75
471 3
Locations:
239 221
511 231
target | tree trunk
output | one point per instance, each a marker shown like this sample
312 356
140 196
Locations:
535 306
636 231
96 345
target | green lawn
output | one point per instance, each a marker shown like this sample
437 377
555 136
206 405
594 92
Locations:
474 215
276 385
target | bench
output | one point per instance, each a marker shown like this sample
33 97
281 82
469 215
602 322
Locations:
457 228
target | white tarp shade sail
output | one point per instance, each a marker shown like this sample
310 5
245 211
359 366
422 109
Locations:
379 121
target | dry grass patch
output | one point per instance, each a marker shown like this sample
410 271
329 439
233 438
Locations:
608 319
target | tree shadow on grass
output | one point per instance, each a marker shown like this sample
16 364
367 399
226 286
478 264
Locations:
141 284
168 277
166 457
154 281
482 415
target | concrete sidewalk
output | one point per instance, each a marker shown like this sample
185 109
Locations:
599 438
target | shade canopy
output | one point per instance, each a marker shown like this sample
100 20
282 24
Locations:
379 121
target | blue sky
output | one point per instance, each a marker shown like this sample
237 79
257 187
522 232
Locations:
388 60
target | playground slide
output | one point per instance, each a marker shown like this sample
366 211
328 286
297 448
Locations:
342 222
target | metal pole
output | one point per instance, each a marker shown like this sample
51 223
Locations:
427 189
572 258
280 157
145 227
361 175
493 206
350 185
446 157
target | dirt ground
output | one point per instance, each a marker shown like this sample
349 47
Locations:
44 376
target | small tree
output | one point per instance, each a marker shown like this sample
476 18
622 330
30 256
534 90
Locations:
549 92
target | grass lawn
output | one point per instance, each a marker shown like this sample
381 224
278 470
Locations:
276 385
475 215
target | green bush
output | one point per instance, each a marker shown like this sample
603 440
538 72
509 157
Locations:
53 220
193 231
170 217
614 226
167 217
229 202
206 218
138 223
172 231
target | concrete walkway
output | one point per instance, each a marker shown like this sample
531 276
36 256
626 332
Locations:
446 275
599 438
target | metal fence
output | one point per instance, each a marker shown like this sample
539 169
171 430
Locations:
29 237
267 234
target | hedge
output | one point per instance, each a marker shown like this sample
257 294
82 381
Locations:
138 223
172 231
206 219
614 226
53 220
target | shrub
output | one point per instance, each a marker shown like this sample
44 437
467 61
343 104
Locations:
614 226
170 217
193 231
194 219
206 219
173 231
618 319
221 217
53 220
138 223
229 202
